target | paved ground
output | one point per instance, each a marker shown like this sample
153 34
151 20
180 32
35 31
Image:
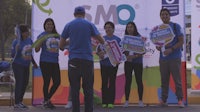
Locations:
171 108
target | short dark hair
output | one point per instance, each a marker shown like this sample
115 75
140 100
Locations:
110 23
165 9
23 28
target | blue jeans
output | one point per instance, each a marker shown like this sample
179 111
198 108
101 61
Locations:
81 69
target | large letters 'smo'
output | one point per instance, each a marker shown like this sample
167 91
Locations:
113 11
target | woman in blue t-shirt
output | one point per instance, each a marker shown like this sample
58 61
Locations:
49 61
134 62
22 56
108 71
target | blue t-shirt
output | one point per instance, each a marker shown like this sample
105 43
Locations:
50 49
177 52
106 61
23 55
80 32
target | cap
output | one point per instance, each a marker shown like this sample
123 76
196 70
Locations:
79 9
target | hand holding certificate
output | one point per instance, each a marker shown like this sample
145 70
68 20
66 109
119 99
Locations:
112 50
161 35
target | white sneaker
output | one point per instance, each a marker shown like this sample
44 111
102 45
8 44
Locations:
20 106
140 104
69 105
181 104
126 104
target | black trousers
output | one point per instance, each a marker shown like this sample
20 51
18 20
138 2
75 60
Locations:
50 71
21 74
108 76
138 70
81 69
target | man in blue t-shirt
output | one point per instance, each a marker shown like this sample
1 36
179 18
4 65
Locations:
170 61
80 65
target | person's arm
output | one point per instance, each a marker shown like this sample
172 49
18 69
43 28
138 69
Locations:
176 46
38 46
100 39
100 52
33 62
63 43
179 44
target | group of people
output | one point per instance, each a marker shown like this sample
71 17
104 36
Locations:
77 35
109 72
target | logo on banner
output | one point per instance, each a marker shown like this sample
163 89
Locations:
133 43
113 11
42 6
172 6
161 35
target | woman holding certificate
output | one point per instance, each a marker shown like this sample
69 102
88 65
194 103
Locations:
108 71
134 62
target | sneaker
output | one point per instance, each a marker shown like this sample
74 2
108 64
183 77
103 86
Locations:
126 104
44 104
48 104
20 106
181 104
104 105
140 104
110 106
162 104
69 105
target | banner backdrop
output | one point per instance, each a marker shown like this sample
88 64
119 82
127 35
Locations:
146 15
195 45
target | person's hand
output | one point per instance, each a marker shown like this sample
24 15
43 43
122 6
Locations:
158 48
167 51
101 54
17 47
144 39
35 65
129 58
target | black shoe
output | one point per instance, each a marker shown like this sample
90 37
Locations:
48 104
